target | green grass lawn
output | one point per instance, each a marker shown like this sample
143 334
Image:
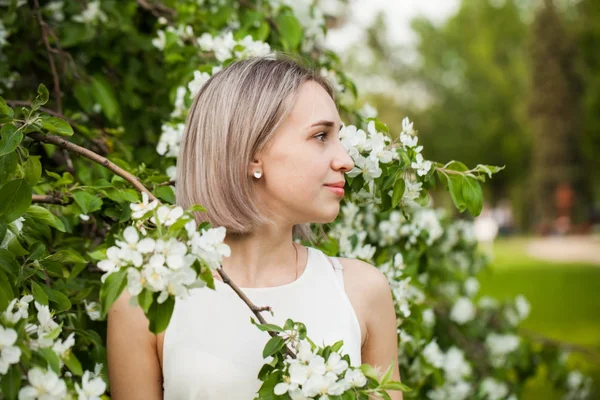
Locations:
565 303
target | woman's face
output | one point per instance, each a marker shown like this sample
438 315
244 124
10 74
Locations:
303 157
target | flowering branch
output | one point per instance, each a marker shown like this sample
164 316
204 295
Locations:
255 309
65 144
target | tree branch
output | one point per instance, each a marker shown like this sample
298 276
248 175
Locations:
55 77
48 199
157 9
255 309
65 144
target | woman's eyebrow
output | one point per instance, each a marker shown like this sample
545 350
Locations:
324 123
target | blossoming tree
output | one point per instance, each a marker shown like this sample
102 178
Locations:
83 216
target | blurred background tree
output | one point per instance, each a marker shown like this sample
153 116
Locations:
513 82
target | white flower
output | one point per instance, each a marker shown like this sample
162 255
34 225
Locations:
160 41
284 387
155 273
209 246
252 48
43 385
367 166
421 166
177 282
206 42
174 252
139 209
133 248
61 348
368 111
408 140
356 378
91 14
46 325
318 384
168 215
172 172
493 389
112 263
200 78
335 363
407 126
433 354
305 352
92 387
523 306
574 380
9 354
170 138
93 310
455 365
463 311
22 306
428 317
471 286
499 346
135 283
84 217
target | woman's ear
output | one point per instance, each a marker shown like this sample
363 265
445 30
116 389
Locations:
256 169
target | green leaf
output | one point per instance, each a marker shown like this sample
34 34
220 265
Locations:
87 202
33 170
290 30
111 289
275 344
6 113
11 382
51 357
15 198
388 374
208 277
73 364
44 215
8 165
62 302
145 300
455 188
369 372
10 139
66 256
398 192
159 315
6 291
39 294
56 125
166 193
395 385
9 263
472 195
42 97
103 94
267 327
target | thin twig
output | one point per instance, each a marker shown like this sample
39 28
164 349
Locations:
255 309
167 183
55 77
48 199
157 9
65 144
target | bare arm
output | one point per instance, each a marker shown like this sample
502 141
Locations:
381 345
133 367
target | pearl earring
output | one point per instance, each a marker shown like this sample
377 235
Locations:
257 174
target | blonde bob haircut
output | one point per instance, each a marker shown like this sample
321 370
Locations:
232 118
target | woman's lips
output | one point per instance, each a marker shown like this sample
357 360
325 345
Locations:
337 190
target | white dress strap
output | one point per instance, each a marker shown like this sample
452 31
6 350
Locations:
338 268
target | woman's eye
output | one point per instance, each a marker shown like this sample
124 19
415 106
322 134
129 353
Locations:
321 136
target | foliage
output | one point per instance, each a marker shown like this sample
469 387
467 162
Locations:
72 170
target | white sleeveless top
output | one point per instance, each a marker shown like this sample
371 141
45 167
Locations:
212 351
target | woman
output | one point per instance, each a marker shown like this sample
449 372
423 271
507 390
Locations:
261 152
